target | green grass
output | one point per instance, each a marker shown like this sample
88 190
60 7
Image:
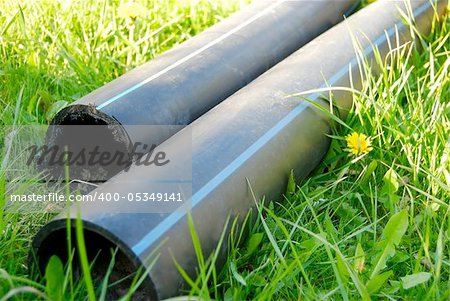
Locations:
371 227
59 50
54 51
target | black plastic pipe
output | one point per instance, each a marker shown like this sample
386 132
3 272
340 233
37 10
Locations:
182 84
242 149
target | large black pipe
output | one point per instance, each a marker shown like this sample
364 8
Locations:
182 84
245 145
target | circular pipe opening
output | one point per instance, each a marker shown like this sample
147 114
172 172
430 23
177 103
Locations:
101 253
98 147
82 115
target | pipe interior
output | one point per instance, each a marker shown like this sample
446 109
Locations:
100 252
83 131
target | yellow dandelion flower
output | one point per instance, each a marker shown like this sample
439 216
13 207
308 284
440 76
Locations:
358 144
131 11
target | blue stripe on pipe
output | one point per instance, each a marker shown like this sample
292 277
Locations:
190 56
156 233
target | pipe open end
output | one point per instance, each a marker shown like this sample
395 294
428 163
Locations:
109 261
82 115
98 146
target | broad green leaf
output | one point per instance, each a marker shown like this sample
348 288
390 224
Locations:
54 275
236 275
254 242
391 184
367 176
374 284
401 257
310 244
396 227
342 268
359 258
392 235
389 190
290 190
393 288
328 224
415 279
370 169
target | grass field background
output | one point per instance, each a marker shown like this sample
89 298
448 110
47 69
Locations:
376 226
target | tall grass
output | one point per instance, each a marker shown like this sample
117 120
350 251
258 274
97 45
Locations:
372 227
